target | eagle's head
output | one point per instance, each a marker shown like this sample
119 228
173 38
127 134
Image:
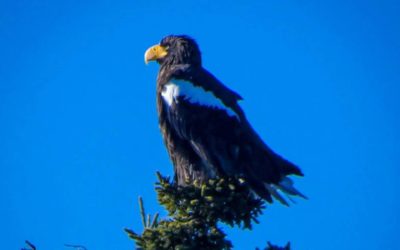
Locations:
174 50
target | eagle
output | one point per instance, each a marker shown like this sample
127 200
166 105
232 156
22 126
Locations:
206 132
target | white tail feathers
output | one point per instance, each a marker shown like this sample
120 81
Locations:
284 188
275 193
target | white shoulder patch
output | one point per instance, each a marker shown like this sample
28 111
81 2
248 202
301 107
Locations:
170 93
193 94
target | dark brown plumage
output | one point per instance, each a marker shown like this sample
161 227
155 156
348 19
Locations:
205 131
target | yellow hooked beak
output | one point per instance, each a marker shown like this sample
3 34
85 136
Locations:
154 52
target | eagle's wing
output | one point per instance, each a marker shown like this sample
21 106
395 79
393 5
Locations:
205 114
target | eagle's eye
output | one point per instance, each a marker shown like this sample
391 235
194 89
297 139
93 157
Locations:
165 45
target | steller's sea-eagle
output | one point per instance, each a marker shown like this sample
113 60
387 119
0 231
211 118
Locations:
205 131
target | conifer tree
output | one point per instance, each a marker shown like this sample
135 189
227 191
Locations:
195 212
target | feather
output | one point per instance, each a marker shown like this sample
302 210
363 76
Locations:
275 193
193 94
286 185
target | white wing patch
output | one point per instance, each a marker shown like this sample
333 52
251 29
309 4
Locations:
170 93
193 94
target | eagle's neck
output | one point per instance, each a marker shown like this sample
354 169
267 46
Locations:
169 71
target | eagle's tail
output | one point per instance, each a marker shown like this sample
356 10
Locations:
284 188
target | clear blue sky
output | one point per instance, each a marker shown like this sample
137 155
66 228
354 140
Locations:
79 139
